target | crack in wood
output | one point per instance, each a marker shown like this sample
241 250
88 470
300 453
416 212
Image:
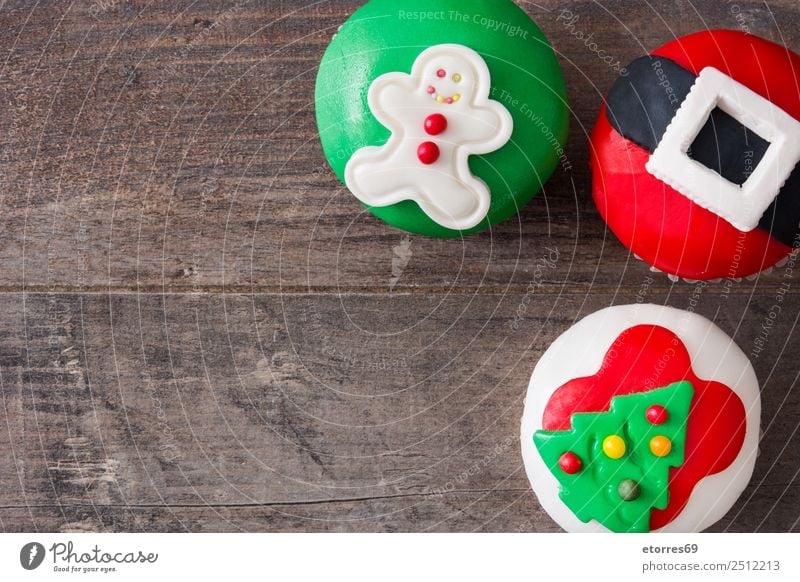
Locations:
451 493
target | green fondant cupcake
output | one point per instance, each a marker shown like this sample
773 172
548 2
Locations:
443 117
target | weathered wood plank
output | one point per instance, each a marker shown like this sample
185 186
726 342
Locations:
482 511
173 145
273 412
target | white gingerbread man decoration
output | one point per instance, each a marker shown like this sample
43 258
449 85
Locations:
439 115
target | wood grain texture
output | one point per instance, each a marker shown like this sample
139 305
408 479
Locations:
201 330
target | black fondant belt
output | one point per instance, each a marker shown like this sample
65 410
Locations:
641 107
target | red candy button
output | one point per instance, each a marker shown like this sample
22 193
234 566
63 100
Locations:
570 463
435 124
428 153
657 414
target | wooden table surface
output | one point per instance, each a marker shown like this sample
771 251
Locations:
201 330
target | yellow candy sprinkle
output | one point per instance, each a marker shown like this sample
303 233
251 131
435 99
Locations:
456 97
614 446
457 78
660 446
440 99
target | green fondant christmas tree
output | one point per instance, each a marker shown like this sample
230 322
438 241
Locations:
613 466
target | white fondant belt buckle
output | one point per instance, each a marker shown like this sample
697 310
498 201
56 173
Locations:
742 206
